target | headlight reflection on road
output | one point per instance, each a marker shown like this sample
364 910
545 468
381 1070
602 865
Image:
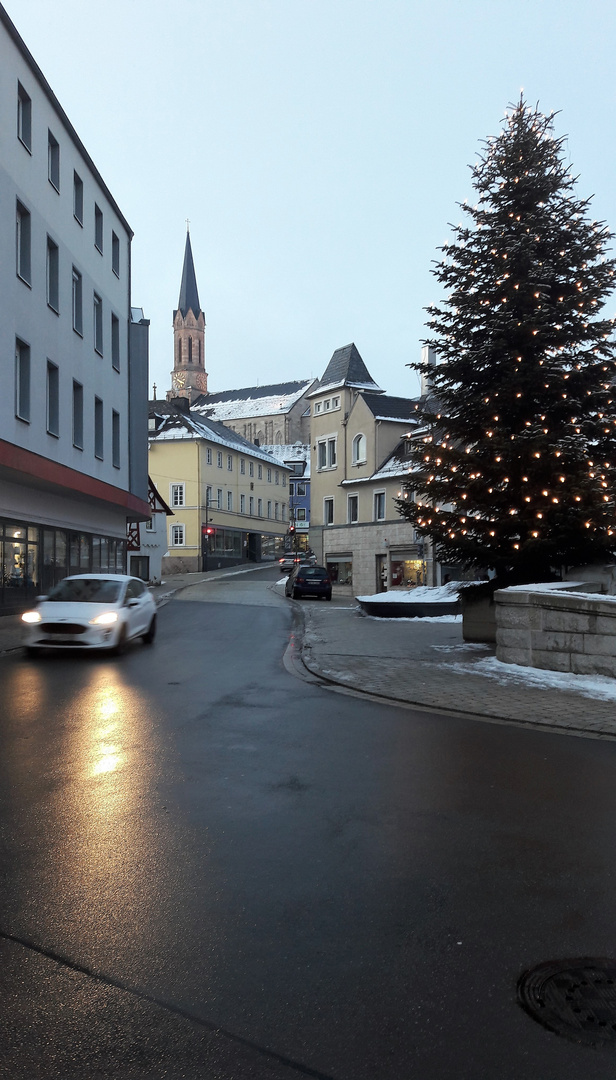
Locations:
109 755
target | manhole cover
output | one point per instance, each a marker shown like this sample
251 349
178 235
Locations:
574 998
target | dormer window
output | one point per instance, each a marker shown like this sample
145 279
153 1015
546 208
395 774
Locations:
326 405
335 403
317 407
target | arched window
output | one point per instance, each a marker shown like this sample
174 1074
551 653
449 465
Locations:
359 449
190 350
179 350
199 350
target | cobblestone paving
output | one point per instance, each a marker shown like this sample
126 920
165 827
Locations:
417 663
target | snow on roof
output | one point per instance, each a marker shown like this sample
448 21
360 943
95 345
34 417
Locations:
290 453
179 426
252 401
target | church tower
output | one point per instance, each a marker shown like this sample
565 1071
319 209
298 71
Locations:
189 377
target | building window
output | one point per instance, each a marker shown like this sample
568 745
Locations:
219 459
179 350
115 254
98 228
24 117
269 508
190 350
115 438
98 324
78 198
300 513
77 302
284 479
219 495
251 505
259 507
230 462
52 275
242 466
379 506
22 380
115 342
177 494
177 536
269 476
326 454
77 415
53 399
300 488
208 496
53 160
242 504
276 477
208 456
22 242
251 468
98 428
353 509
259 472
276 509
335 403
229 500
326 405
317 407
149 525
328 511
359 450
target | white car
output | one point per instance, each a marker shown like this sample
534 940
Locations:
91 611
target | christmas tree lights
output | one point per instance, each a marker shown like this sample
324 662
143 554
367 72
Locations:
521 402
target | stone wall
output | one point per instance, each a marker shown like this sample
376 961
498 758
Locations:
559 630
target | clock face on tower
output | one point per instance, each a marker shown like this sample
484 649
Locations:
199 381
178 380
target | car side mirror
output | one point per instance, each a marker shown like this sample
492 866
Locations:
132 603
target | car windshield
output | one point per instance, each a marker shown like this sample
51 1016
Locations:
314 572
86 591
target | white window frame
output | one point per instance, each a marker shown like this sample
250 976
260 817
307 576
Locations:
259 472
336 402
208 455
243 466
251 505
177 535
352 497
327 449
328 502
219 459
259 507
359 449
269 508
251 468
242 504
229 462
316 408
230 501
219 498
177 494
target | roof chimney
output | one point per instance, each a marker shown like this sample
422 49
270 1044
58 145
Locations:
428 356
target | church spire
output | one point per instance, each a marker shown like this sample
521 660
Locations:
189 377
189 295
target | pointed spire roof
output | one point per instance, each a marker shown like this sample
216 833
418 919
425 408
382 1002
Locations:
189 295
346 368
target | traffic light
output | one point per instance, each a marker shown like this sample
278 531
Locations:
291 529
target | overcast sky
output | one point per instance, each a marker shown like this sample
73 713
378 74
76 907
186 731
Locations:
319 149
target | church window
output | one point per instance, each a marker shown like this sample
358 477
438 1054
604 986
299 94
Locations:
190 350
199 350
179 350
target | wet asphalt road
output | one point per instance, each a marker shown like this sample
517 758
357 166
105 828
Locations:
210 869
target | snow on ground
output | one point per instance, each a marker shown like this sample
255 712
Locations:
600 687
421 594
417 618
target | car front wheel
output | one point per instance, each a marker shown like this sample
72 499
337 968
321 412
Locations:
150 633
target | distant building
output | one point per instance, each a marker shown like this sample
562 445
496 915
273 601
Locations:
359 441
230 499
147 540
73 416
297 457
189 377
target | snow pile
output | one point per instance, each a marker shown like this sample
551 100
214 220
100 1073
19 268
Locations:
422 594
601 687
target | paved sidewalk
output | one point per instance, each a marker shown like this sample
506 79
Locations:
428 663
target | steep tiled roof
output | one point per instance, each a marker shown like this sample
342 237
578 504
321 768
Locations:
387 407
189 295
346 368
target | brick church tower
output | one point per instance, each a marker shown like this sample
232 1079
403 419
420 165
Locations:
189 377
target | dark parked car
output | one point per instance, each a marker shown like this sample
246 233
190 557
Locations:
306 580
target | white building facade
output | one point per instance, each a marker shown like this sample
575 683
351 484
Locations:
73 407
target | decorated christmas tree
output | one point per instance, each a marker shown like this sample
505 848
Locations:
514 463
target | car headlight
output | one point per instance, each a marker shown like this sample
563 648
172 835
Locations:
106 619
31 617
